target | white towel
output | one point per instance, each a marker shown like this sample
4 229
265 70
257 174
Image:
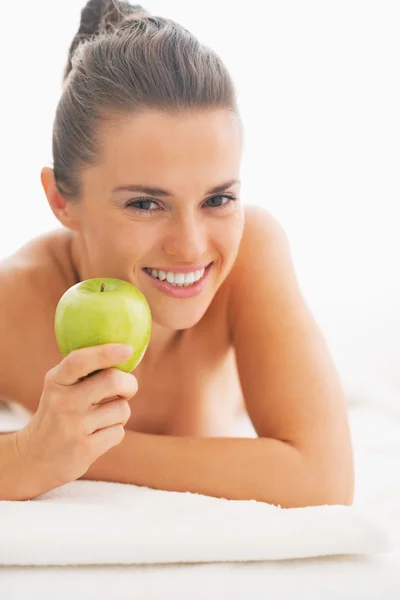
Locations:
96 523
87 522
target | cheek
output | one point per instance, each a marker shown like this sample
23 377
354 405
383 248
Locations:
108 244
127 245
233 234
228 246
106 230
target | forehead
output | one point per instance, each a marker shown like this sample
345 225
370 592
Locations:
160 146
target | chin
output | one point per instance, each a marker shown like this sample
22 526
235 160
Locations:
179 319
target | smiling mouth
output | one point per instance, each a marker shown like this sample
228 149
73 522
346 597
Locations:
176 287
178 279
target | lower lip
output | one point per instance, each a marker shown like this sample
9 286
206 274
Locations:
181 292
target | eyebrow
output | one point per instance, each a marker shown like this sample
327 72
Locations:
144 189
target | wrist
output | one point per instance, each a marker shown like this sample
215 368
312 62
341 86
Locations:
30 480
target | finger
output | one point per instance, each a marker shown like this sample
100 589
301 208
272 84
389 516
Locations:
107 384
82 362
106 438
116 412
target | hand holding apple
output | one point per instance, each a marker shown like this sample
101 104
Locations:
99 324
76 421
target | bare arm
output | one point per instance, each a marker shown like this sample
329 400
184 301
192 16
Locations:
260 469
290 384
19 480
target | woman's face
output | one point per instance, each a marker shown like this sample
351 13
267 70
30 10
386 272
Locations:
165 196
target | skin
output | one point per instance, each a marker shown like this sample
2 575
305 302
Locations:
247 345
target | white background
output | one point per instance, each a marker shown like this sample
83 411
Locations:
319 93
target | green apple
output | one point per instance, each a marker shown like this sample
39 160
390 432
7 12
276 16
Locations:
102 311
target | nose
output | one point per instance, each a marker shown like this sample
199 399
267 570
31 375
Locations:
187 239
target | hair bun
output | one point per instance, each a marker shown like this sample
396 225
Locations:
102 15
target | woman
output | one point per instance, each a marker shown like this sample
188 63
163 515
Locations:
147 148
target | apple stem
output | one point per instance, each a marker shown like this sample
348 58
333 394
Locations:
102 287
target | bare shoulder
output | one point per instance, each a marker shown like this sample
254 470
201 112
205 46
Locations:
31 281
260 227
33 274
290 385
264 254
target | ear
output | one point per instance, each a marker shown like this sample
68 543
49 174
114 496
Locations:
62 208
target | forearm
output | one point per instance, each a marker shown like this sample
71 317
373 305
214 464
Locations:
255 469
18 480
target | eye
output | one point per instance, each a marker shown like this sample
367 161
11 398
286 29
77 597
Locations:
143 206
222 202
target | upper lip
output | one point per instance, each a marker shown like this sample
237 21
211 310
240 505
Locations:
180 269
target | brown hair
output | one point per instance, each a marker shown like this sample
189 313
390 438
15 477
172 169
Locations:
123 59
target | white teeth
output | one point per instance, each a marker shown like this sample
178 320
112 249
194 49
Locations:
170 277
189 278
178 279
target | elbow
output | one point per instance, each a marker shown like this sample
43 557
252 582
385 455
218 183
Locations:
337 494
332 484
322 492
321 479
343 492
314 480
328 473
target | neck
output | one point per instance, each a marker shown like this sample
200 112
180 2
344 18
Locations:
77 258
